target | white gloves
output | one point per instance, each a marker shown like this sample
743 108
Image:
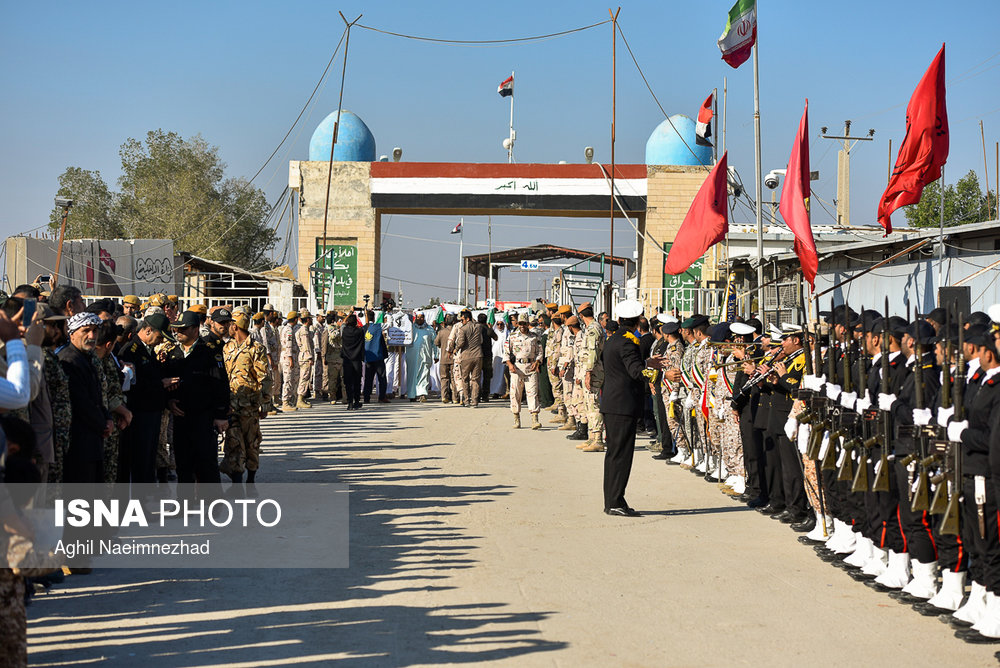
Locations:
885 401
674 396
864 403
922 416
832 391
944 415
689 402
814 383
791 426
955 430
848 399
805 431
721 413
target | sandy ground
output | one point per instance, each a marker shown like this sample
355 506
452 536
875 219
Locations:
472 542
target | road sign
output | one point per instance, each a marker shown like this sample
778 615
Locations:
529 264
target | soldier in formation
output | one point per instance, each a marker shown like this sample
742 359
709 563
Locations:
523 357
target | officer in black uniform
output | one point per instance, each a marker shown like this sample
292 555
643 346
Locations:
147 399
622 404
200 401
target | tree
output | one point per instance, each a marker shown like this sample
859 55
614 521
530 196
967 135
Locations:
173 188
964 203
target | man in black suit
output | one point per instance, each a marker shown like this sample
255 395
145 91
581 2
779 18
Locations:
622 404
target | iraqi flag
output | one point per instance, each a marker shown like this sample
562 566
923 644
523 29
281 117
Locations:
506 87
925 147
740 34
703 130
458 229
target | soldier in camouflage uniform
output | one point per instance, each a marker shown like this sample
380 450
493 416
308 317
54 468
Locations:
590 372
320 337
272 345
700 369
553 349
578 402
566 364
688 395
249 396
522 353
289 359
58 387
114 399
304 340
672 399
457 384
334 362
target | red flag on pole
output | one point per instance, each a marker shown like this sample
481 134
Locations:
704 225
703 129
925 147
794 205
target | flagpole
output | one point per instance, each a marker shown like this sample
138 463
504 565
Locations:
941 235
510 151
715 121
489 279
461 250
725 90
756 176
614 101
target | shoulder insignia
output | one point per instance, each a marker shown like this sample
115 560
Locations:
135 347
631 337
992 381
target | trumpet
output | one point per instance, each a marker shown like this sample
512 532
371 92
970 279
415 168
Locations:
733 344
746 360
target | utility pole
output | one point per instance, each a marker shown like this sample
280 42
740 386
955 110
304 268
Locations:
844 170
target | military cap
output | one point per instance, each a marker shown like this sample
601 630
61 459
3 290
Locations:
130 299
630 308
258 317
222 315
695 321
242 320
200 309
868 320
994 313
573 321
947 333
292 315
669 328
159 299
585 305
984 339
938 315
523 319
160 323
922 332
836 316
188 319
665 318
46 313
173 299
552 306
304 313
742 329
268 308
978 318
719 333
242 308
757 325
895 325
565 309
152 309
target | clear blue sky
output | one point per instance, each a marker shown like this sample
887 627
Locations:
79 78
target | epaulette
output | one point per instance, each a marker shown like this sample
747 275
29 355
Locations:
135 347
631 337
992 381
211 344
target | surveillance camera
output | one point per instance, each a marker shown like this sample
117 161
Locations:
64 202
507 144
397 153
383 158
588 153
771 180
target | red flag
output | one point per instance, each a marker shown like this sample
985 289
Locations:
704 225
703 129
925 147
794 205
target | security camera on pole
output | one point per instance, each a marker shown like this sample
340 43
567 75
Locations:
506 89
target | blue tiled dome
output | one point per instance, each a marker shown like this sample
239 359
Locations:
355 142
664 146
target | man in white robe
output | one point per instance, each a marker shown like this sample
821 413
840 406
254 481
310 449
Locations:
419 358
499 384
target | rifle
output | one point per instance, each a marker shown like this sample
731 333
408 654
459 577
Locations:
884 439
921 495
829 460
939 503
949 521
850 418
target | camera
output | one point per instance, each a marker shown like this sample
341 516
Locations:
771 179
64 202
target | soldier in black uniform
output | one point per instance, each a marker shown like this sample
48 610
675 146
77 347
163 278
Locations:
622 404
785 382
200 401
147 399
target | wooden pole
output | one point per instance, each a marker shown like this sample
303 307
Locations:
62 235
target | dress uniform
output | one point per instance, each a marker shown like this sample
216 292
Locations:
289 360
522 353
621 406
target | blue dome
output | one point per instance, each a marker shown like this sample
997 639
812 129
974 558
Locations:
664 146
355 142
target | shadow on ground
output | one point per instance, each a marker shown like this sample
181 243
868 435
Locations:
404 538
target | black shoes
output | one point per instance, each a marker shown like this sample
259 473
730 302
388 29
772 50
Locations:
975 637
928 610
710 478
623 512
580 434
757 503
663 454
806 525
771 511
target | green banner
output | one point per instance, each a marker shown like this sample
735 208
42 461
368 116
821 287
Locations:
679 290
344 262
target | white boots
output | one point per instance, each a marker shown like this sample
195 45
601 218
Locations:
952 591
877 563
897 572
682 457
975 608
862 552
844 539
923 583
817 533
989 623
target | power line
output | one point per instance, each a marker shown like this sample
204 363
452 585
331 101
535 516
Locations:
482 42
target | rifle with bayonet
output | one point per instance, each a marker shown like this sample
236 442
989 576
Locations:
832 422
953 462
883 437
921 493
860 483
939 503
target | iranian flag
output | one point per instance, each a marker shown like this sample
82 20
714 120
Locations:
506 87
740 34
703 130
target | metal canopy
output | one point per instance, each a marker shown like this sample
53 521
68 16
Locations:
479 265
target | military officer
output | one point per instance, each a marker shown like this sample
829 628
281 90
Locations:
566 365
334 363
590 372
249 397
304 341
523 356
553 349
321 336
289 360
132 307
